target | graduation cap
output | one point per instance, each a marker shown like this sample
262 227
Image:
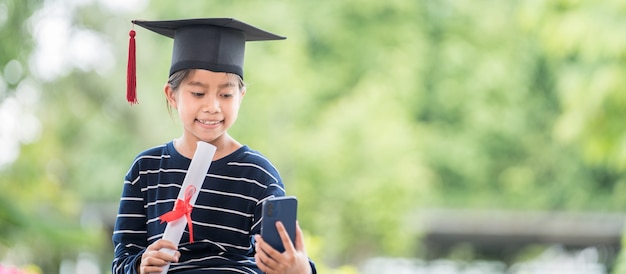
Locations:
215 44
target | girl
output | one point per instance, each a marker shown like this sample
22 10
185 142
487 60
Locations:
206 88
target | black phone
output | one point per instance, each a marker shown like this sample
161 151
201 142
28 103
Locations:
282 209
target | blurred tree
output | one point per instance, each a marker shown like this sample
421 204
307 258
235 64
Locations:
581 43
13 27
59 164
12 60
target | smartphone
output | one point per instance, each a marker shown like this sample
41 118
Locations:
282 209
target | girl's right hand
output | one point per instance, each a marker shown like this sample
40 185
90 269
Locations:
153 260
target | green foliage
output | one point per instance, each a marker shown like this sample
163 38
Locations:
13 27
315 248
370 109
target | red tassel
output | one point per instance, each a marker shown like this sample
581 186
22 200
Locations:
131 72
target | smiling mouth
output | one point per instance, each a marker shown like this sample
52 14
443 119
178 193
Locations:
209 122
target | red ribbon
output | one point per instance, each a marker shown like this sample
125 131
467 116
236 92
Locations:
182 208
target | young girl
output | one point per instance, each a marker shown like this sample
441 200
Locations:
206 88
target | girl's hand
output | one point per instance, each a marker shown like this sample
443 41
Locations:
153 260
293 261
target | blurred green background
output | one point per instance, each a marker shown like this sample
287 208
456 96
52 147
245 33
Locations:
373 111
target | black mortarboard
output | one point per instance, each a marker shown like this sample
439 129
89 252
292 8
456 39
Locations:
215 44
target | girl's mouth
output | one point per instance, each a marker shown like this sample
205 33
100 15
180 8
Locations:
209 122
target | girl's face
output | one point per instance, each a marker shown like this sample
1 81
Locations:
207 103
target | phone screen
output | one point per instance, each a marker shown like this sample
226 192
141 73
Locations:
282 209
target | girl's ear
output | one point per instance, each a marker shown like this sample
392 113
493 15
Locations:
243 92
170 95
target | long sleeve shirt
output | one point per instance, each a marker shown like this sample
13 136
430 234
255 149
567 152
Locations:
226 215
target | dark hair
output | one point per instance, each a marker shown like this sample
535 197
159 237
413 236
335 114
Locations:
177 78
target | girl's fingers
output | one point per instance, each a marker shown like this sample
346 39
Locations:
265 261
284 236
299 239
153 259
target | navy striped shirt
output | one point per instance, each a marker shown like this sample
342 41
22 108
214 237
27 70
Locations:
226 216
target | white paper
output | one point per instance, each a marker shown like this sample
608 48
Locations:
195 176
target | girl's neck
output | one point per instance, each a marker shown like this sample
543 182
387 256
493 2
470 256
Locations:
225 145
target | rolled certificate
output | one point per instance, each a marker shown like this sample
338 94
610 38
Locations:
180 216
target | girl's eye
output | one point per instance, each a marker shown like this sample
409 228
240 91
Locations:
197 94
227 95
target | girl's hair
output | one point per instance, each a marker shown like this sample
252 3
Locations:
178 77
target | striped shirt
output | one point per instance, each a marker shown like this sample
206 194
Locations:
226 216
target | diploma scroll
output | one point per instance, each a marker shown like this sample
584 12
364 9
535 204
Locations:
180 216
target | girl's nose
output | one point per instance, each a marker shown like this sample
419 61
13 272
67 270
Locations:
211 105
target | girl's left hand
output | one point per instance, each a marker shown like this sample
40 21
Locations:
293 261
